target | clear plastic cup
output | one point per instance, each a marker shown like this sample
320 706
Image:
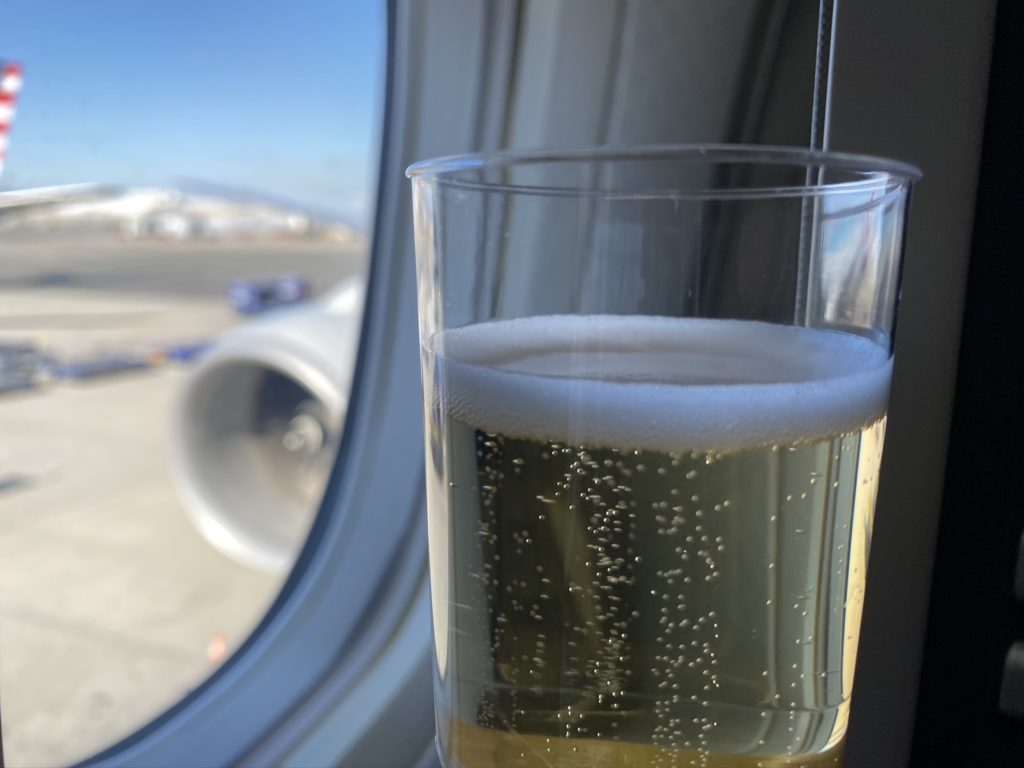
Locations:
655 388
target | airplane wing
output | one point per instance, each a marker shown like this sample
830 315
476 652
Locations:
22 200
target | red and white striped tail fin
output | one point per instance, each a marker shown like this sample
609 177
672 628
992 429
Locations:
10 84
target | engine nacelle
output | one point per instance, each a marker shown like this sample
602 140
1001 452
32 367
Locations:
259 425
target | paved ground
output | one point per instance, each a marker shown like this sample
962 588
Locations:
189 269
108 598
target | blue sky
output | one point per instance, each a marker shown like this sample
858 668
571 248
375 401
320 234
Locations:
278 97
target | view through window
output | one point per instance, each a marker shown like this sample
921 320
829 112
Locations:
184 214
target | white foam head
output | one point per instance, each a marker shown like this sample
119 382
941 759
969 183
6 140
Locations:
658 383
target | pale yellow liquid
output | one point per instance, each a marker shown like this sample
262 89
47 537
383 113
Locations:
618 606
486 748
652 609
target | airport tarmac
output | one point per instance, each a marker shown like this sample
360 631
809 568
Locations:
110 602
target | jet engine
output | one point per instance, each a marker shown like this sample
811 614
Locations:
259 425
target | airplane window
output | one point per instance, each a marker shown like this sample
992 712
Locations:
185 204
